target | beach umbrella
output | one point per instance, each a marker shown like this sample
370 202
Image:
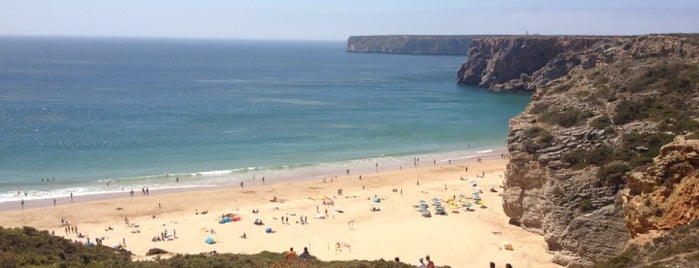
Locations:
268 230
468 205
210 240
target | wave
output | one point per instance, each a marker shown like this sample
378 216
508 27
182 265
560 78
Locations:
274 173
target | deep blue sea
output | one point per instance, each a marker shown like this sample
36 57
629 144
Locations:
76 113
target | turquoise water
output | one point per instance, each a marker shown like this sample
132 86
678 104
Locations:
76 113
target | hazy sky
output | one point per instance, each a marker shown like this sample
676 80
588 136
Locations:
336 20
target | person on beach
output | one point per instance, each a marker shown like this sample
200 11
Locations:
290 255
420 263
430 264
492 264
22 203
508 265
305 255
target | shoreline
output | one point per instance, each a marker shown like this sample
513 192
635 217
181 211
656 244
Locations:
347 222
30 203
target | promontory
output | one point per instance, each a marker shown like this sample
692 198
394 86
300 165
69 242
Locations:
605 158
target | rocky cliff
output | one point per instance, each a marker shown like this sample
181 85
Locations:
521 63
411 44
607 149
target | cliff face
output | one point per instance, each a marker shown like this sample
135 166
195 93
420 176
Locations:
587 169
511 64
411 44
666 195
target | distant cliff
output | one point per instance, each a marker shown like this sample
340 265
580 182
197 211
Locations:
607 151
411 44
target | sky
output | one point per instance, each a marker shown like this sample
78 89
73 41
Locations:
338 19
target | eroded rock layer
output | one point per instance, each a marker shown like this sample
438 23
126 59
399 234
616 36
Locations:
593 162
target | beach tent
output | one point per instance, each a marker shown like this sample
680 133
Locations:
377 199
268 230
210 240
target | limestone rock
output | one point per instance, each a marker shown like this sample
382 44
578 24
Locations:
582 171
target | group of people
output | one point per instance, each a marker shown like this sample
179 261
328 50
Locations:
291 255
421 262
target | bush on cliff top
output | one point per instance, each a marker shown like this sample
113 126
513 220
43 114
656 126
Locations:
28 247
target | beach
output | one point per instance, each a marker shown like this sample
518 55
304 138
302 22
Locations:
349 230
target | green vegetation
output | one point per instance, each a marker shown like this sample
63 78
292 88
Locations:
562 87
539 107
28 247
612 174
639 149
537 139
580 158
676 248
565 118
668 78
672 84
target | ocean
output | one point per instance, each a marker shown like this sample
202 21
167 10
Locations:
105 115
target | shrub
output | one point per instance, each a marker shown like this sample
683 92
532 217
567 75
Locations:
640 148
539 107
579 158
537 139
601 122
156 251
612 174
567 118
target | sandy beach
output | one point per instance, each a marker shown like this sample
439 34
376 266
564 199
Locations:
349 230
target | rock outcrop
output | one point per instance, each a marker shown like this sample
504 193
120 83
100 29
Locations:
411 44
666 195
583 170
521 63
